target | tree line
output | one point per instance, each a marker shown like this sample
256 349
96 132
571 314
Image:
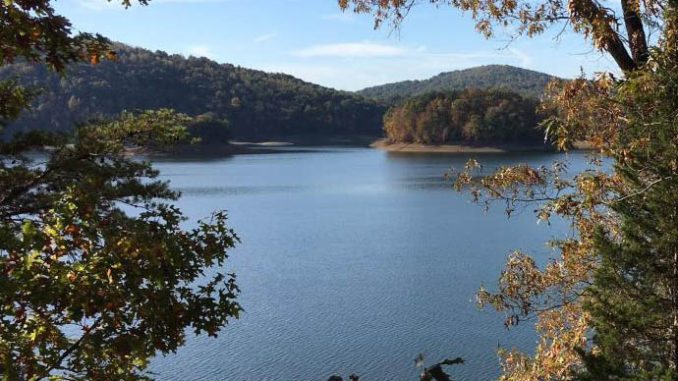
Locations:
471 115
229 101
255 103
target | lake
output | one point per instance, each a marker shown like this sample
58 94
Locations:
354 261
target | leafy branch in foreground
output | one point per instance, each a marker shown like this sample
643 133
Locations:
97 272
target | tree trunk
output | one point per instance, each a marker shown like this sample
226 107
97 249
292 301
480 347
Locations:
674 310
611 43
635 32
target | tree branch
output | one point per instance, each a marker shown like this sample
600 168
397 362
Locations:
75 345
591 12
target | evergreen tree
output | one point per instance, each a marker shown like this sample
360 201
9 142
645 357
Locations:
634 297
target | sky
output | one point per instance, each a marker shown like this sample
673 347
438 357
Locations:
315 41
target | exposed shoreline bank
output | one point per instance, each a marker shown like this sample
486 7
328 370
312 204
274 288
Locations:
384 145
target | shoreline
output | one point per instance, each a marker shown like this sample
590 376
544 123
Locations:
384 145
281 146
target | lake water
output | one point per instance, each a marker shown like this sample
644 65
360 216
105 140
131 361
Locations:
354 261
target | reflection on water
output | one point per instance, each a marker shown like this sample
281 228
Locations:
353 260
237 190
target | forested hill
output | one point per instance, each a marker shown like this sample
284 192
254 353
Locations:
523 81
257 104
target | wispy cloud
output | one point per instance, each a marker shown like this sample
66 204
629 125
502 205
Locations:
343 17
265 37
97 5
200 51
525 59
442 60
372 50
351 49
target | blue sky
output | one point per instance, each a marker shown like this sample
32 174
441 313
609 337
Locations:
315 41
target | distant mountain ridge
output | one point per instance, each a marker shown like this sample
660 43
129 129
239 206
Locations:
256 104
525 82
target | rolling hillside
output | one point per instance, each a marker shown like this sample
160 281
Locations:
256 104
525 82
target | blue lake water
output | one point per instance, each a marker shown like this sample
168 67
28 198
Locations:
354 261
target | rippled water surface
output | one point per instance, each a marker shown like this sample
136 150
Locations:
353 261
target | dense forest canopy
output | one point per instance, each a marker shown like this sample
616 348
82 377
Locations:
255 103
523 81
472 115
234 102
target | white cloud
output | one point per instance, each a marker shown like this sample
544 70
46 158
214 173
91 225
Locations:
525 59
351 49
200 51
99 5
265 37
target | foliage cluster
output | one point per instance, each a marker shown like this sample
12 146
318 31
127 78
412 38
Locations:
473 116
99 272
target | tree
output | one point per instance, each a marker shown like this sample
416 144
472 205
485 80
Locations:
210 128
606 112
633 300
97 272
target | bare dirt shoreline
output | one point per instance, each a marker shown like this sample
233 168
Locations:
383 144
